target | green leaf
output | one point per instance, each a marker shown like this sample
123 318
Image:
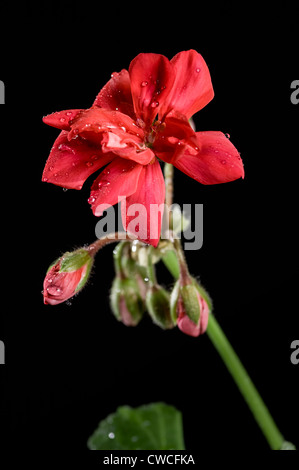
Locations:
156 426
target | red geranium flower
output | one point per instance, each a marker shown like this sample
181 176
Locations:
140 116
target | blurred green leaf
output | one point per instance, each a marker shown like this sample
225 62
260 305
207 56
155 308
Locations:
156 426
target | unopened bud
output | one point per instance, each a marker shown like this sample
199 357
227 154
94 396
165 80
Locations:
190 307
158 306
126 302
67 276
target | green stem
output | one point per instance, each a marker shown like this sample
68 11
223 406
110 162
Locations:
151 268
244 383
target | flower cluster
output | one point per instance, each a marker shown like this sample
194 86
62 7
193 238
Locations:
140 118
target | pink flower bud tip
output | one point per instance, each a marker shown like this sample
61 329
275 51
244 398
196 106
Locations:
66 277
186 325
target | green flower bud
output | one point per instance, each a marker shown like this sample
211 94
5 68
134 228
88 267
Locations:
158 306
126 302
190 306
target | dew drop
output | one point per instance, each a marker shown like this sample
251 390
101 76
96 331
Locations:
64 189
155 104
223 162
91 199
88 164
197 70
52 290
111 435
62 119
94 157
145 83
227 136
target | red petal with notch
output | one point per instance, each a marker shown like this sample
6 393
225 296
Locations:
217 160
70 163
151 80
140 211
117 181
192 88
61 119
98 120
114 132
116 94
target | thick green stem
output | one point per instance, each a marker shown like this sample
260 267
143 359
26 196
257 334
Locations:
168 176
151 268
244 383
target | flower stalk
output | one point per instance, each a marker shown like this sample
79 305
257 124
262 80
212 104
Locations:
248 390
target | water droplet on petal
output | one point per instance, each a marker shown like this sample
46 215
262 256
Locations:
155 104
62 119
91 199
227 136
197 70
88 164
223 162
145 83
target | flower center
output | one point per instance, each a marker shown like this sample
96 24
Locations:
156 127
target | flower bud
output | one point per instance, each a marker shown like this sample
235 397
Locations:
190 307
67 276
158 306
126 302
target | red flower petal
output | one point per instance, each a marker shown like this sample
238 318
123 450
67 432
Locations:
70 163
151 81
61 119
114 131
116 181
140 211
98 120
116 94
175 138
217 160
192 88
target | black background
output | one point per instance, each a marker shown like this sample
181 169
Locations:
67 367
